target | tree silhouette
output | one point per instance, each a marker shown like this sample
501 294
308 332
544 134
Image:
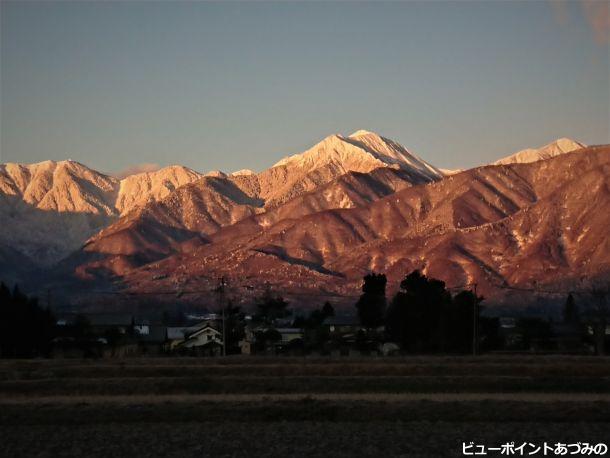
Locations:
418 316
234 327
265 339
315 318
26 329
461 319
270 308
328 310
535 331
372 303
314 334
80 329
570 311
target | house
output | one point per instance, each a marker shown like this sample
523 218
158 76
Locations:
342 325
510 334
202 336
347 337
119 350
291 341
175 335
108 335
199 339
92 347
289 335
141 327
269 339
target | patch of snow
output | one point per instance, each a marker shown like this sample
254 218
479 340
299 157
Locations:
243 172
448 172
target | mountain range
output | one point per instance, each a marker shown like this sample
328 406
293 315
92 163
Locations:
50 208
314 223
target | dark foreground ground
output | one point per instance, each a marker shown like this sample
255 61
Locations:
298 407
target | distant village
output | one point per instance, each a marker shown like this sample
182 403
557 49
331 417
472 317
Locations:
423 318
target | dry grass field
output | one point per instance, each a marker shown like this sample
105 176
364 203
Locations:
182 407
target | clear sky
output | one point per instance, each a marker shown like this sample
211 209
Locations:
240 85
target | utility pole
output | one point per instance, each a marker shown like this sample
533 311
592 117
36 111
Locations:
475 322
600 319
221 299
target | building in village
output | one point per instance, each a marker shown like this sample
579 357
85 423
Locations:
119 335
342 329
203 339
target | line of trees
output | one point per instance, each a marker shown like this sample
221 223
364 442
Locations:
424 316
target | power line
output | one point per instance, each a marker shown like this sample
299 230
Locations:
469 286
205 291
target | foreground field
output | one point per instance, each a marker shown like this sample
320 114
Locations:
300 407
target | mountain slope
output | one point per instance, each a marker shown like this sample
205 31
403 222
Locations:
139 189
496 225
64 186
155 230
200 209
301 185
50 208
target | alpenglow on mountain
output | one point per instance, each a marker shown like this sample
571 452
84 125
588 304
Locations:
317 220
338 172
504 227
361 151
555 148
52 208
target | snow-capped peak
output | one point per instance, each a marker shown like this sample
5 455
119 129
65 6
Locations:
242 172
361 133
362 151
555 148
216 174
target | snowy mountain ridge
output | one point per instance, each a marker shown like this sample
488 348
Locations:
555 148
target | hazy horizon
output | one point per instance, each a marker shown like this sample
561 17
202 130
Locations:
239 85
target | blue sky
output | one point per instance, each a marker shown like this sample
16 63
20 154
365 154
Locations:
239 85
